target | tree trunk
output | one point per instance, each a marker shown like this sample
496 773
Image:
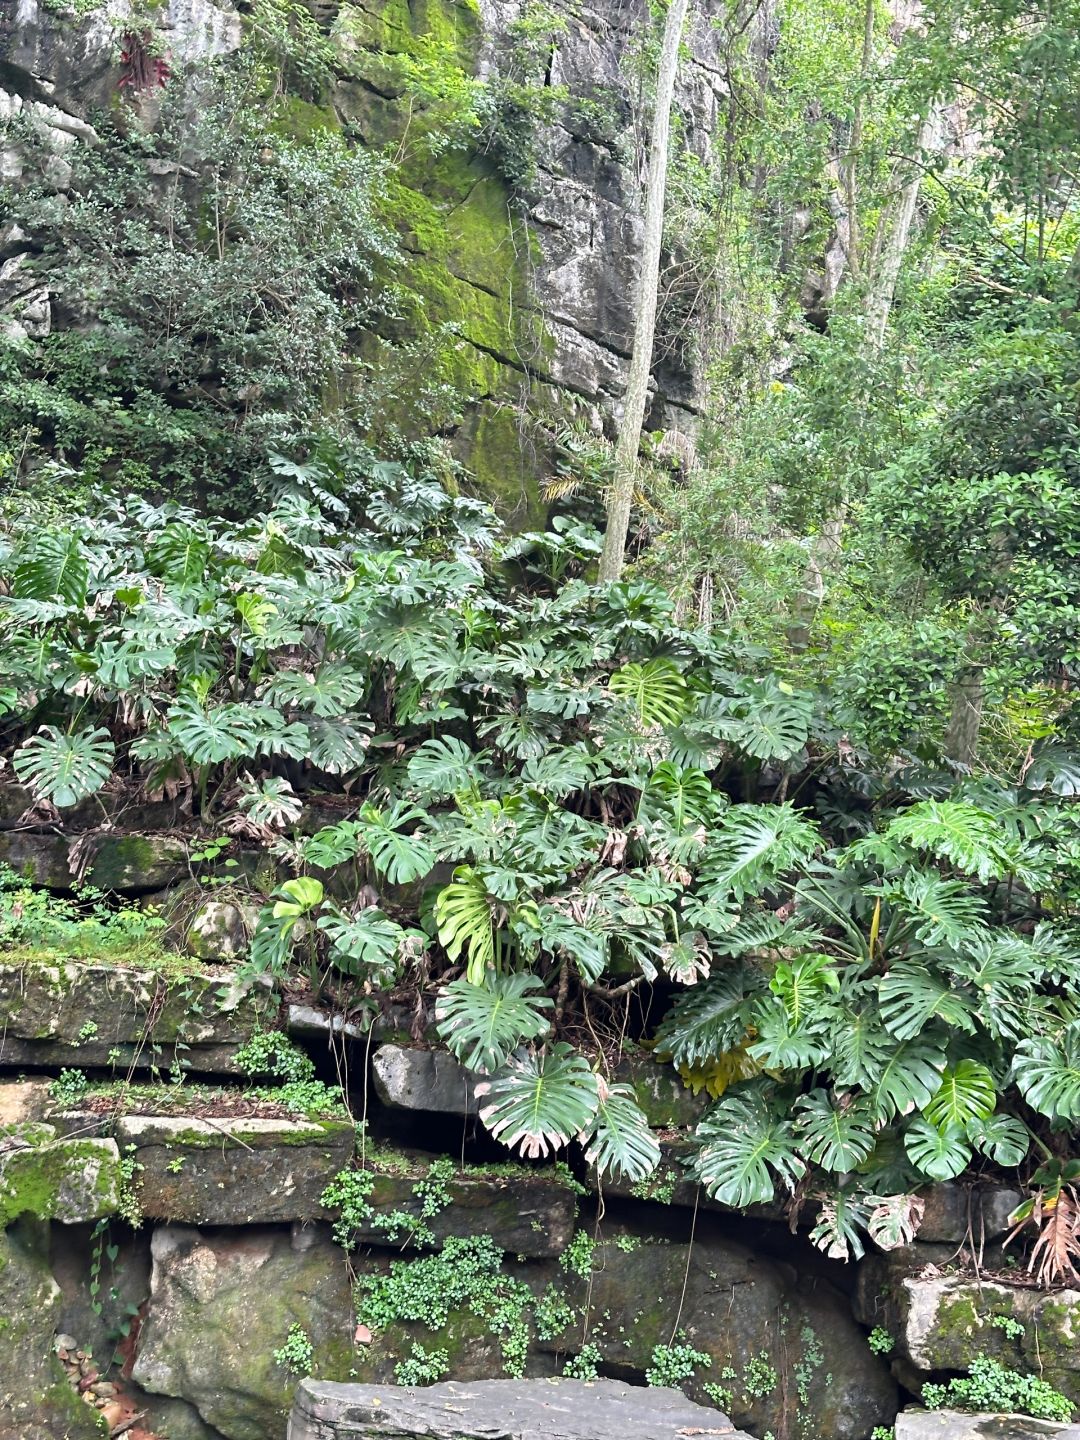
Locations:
961 743
882 293
637 388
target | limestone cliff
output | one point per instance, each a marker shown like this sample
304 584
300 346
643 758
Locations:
531 270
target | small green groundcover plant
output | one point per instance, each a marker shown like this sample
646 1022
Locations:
990 1386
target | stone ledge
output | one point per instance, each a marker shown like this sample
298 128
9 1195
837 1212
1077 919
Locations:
514 1409
86 1013
234 1171
408 1078
525 1212
955 1425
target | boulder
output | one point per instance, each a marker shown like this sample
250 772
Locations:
126 864
942 1322
222 1303
785 1351
409 1078
220 930
234 1171
955 1425
525 1212
24 1099
65 1180
514 1409
667 1103
953 1213
68 1012
36 1400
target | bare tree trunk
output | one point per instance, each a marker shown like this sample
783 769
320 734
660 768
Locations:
851 196
882 293
637 388
961 743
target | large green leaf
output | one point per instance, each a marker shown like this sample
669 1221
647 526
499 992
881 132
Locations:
617 1139
1054 768
753 846
709 1020
52 565
769 720
837 1136
463 914
1003 1138
912 996
1047 1071
65 769
538 1104
938 1154
397 856
484 1024
966 1093
655 689
744 1150
964 835
909 1074
443 766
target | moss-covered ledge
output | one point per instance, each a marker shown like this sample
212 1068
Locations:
59 1011
69 1180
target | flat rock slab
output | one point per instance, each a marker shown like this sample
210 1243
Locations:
525 1212
954 1425
126 864
69 1012
67 1180
235 1172
503 1410
408 1078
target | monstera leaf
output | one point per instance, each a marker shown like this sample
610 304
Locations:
836 1137
1047 1071
617 1139
938 1154
443 766
539 1103
466 925
484 1024
65 769
655 690
745 1150
966 1093
399 858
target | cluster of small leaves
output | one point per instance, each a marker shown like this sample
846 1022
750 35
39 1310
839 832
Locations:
672 1364
990 1386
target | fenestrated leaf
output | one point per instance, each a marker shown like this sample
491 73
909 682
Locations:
398 856
710 1019
752 846
463 913
484 1024
65 768
912 996
1003 1138
656 690
952 830
618 1140
1047 1071
894 1219
1054 768
537 1104
53 565
180 555
443 766
939 1154
909 1074
744 1150
837 1137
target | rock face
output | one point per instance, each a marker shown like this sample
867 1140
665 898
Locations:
525 1212
413 1079
533 263
221 1304
36 1401
514 1409
97 1014
126 864
65 1180
789 1356
235 1172
943 1322
953 1425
